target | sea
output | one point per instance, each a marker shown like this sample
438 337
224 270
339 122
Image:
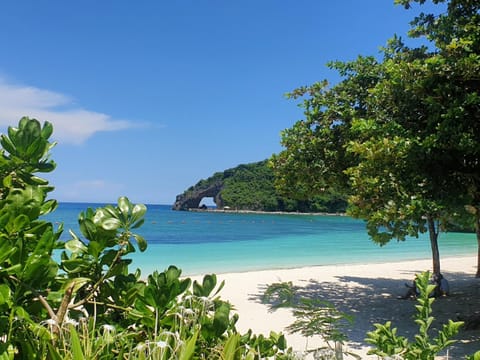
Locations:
220 242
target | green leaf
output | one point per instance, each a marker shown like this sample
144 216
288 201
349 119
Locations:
46 243
53 352
138 212
40 331
124 205
151 297
282 342
8 145
87 227
78 282
221 319
39 270
111 224
77 352
142 243
138 224
76 246
95 248
231 348
208 284
35 149
21 313
35 180
75 265
7 181
108 257
109 211
47 130
49 206
120 268
6 251
5 295
20 222
14 269
189 348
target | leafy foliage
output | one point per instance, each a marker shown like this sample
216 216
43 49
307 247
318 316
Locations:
400 135
388 343
251 187
313 317
78 300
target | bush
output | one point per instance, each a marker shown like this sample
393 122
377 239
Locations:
388 343
87 304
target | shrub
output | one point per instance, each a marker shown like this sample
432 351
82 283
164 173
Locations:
388 343
86 304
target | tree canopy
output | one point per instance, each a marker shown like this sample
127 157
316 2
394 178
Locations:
400 135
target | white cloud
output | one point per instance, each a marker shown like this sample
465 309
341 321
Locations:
71 124
89 190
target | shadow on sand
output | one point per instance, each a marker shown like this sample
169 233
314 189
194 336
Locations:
375 300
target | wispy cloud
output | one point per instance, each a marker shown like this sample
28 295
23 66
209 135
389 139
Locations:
72 124
86 190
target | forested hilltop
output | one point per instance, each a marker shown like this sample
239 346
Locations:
251 187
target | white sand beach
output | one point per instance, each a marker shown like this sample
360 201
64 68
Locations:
368 292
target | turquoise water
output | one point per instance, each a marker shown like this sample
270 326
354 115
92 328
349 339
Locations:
205 242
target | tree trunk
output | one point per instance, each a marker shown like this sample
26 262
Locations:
338 350
433 233
477 231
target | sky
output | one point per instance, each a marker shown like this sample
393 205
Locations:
149 97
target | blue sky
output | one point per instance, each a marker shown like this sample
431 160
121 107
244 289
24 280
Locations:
148 97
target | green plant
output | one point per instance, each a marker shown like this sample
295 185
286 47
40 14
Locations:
388 343
282 294
27 269
77 299
314 317
475 356
321 318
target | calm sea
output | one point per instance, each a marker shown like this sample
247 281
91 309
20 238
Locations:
206 242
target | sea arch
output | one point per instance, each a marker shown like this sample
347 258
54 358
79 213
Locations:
192 198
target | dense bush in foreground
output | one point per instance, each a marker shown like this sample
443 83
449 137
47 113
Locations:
77 299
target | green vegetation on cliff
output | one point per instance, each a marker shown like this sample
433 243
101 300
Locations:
251 187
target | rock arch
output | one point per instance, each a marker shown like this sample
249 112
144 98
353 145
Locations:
191 198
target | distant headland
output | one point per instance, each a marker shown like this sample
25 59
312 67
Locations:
251 188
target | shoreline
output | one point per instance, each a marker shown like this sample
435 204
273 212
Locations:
367 291
360 263
261 212
198 273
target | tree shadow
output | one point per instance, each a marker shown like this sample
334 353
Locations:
376 300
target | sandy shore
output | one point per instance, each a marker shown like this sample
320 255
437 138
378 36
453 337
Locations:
368 292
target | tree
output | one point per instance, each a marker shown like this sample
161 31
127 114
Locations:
452 85
343 143
403 143
316 155
400 182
